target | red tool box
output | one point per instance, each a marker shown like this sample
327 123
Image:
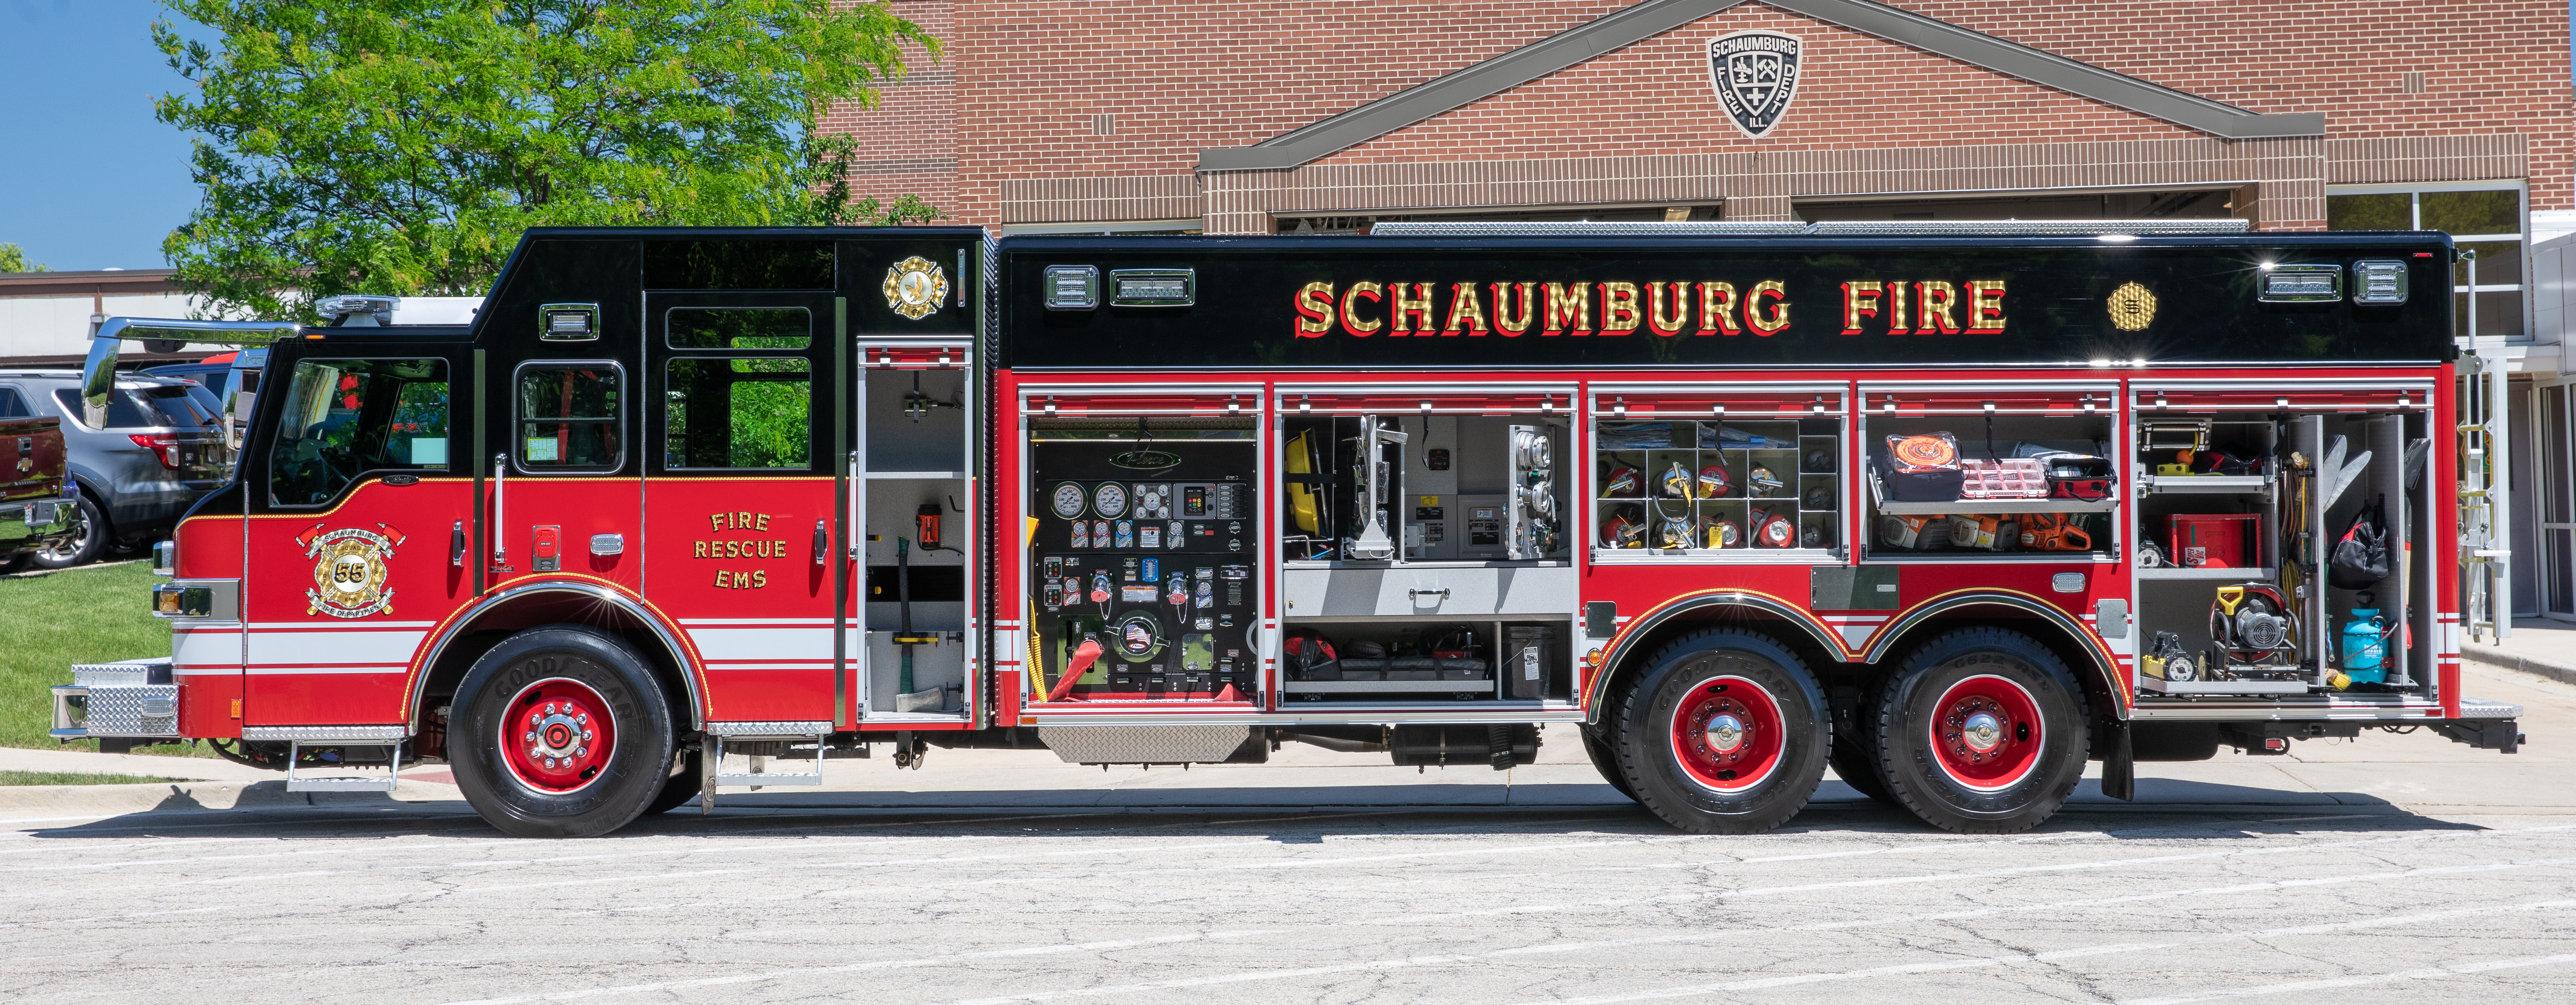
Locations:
2214 540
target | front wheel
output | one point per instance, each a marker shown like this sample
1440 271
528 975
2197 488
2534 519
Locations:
562 732
1726 733
1983 731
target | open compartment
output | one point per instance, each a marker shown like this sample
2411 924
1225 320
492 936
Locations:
2013 473
1690 473
913 501
1142 556
2247 499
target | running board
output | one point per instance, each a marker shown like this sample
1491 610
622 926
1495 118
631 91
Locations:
341 783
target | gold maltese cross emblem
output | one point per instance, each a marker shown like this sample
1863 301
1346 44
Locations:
349 571
915 287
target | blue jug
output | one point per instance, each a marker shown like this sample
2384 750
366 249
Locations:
2365 647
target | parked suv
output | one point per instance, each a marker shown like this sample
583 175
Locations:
161 447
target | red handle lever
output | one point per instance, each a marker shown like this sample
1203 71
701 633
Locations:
1084 656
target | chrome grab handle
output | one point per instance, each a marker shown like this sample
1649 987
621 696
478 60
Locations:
500 470
822 541
1442 593
456 544
856 549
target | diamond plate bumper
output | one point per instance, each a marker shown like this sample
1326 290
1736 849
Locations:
131 699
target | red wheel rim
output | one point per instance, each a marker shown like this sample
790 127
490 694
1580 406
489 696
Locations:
557 736
1727 733
1986 732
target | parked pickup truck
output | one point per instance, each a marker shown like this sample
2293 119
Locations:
34 495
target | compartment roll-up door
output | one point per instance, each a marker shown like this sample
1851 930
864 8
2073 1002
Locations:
2151 399
1704 403
1426 401
2067 399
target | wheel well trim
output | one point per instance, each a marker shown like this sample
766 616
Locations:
414 690
1622 644
2104 663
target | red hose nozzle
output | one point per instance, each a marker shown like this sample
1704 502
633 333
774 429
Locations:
1084 656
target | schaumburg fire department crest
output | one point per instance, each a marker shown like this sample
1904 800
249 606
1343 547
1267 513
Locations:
915 287
349 570
1756 73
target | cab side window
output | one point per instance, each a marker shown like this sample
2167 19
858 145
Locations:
569 417
346 417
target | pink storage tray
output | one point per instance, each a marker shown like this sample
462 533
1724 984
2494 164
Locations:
2010 478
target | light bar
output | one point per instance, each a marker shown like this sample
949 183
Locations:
1153 287
2300 283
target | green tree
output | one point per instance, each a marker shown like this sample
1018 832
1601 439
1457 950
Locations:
401 146
14 259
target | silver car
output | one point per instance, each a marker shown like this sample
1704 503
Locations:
161 448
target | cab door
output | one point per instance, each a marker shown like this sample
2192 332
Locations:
741 491
357 545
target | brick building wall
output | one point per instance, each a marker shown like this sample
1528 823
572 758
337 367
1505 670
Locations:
1029 143
908 142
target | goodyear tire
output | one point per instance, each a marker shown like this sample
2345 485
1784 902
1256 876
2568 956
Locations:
1725 733
564 733
1605 758
1855 754
1983 731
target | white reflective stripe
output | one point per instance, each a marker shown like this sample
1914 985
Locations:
755 621
332 648
213 649
1855 618
716 644
1854 636
808 665
225 670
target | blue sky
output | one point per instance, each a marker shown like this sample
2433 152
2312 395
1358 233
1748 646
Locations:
88 179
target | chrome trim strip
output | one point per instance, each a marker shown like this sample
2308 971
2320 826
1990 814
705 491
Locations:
679 655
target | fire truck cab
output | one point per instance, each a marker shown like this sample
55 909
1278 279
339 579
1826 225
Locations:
1955 511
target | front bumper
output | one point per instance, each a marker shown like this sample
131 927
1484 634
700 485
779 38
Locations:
135 698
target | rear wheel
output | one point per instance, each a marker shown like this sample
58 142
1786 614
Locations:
1724 734
81 544
1984 731
562 731
1855 755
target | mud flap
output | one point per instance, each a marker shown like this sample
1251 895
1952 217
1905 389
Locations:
2119 761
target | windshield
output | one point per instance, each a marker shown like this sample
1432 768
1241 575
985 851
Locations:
346 417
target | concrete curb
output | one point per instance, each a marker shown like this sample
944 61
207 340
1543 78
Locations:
181 797
2557 670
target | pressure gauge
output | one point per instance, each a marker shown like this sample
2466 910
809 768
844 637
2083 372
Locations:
1109 500
1068 500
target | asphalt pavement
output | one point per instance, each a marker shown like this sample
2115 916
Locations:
2391 868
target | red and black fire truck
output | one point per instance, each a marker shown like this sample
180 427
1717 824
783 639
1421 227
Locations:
1954 511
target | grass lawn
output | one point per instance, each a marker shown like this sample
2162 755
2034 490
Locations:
74 778
92 614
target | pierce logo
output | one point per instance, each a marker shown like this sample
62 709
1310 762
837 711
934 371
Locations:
349 570
1756 75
